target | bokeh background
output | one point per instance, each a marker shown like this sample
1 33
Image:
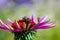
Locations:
38 8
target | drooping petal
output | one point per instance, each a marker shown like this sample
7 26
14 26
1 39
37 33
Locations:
34 26
11 28
18 26
6 25
10 21
44 26
45 22
43 19
4 28
3 23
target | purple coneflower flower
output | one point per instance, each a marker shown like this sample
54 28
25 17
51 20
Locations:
25 27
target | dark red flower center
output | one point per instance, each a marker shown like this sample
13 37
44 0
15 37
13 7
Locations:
25 22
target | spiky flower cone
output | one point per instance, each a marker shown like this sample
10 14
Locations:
25 35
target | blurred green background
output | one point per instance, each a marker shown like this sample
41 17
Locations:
50 8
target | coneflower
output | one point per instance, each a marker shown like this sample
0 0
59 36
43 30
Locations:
26 27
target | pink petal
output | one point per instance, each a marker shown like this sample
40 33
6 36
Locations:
43 19
3 23
4 28
45 26
34 26
32 18
45 22
18 27
9 20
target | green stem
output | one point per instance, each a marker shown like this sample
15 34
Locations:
24 35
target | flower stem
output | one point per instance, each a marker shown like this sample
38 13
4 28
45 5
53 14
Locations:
25 35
